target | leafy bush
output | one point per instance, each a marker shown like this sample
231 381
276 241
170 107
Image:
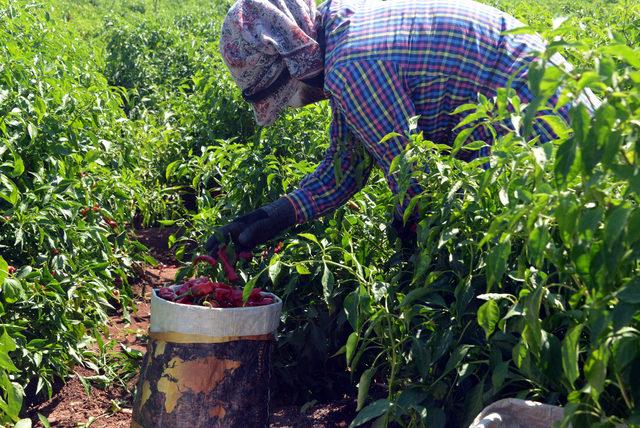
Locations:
525 283
67 195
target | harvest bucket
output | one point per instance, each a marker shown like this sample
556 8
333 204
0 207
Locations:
206 367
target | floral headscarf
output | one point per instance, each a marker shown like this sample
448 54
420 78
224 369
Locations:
260 38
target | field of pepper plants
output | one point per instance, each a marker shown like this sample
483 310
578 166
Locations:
119 115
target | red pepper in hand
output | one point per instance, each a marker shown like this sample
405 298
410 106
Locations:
232 276
207 259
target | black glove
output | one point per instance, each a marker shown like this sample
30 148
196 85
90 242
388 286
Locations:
254 228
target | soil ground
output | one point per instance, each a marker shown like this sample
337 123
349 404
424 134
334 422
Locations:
72 406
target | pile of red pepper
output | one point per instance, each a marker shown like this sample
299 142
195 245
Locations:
203 291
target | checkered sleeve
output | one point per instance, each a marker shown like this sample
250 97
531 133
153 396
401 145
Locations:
376 103
343 171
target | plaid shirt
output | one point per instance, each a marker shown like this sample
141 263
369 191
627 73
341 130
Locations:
388 61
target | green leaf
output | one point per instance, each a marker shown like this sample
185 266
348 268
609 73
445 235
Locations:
498 375
566 216
12 289
420 356
625 350
497 263
13 397
18 166
373 410
327 284
565 158
302 269
488 316
390 136
363 386
630 293
557 125
44 421
274 269
533 329
614 225
520 30
23 423
352 343
461 138
497 296
310 236
569 350
537 244
92 155
413 123
520 356
7 345
413 295
350 305
171 167
633 227
456 357
475 146
595 370
13 195
462 108
470 118
627 53
248 287
411 398
473 402
4 269
32 131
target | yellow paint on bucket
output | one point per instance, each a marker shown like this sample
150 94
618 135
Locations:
199 375
159 348
146 392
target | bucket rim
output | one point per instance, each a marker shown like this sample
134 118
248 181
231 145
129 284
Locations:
277 301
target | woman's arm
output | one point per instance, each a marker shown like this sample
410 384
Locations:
343 171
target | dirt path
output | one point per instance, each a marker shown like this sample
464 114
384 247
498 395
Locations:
110 407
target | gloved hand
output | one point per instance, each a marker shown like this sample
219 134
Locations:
254 228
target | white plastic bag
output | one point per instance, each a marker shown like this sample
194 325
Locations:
515 413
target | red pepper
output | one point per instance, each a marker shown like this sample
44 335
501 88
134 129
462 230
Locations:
236 297
11 270
202 289
167 293
279 247
183 289
222 285
255 294
207 259
232 276
222 294
187 300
